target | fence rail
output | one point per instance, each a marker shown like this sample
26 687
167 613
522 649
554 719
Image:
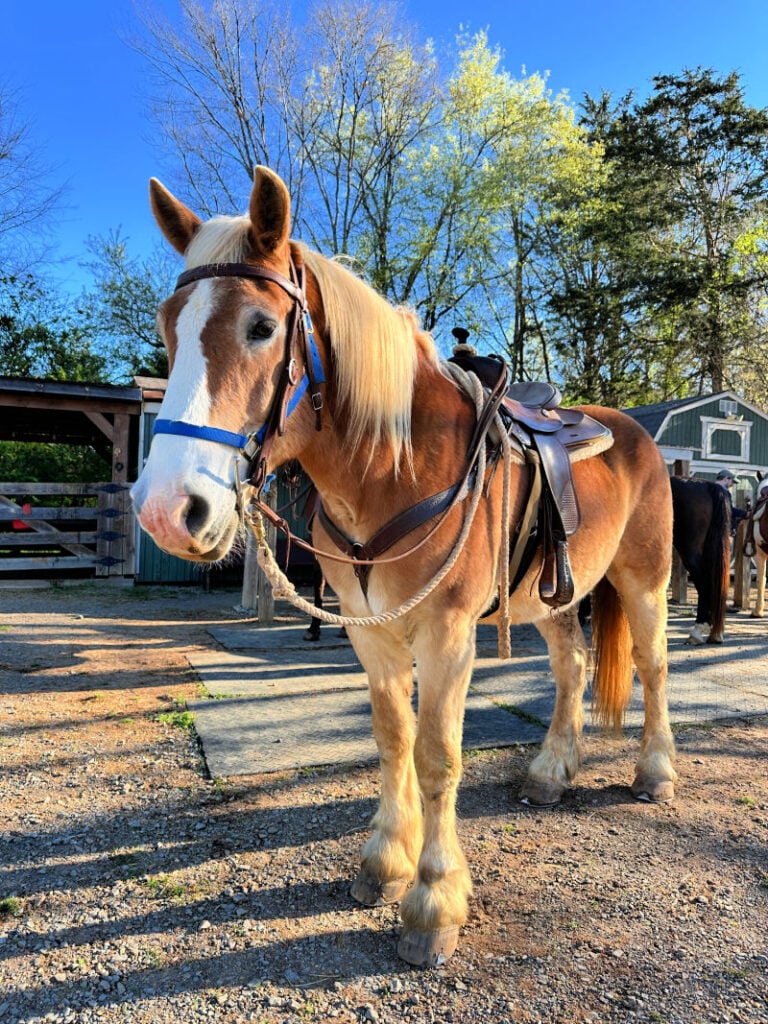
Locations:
78 526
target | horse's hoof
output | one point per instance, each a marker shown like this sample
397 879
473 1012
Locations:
660 791
715 639
428 949
311 637
372 892
699 633
755 615
541 794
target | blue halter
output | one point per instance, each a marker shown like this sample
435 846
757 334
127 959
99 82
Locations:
313 375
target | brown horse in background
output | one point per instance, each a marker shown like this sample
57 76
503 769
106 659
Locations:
392 431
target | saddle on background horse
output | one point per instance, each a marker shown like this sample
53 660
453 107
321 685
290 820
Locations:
550 438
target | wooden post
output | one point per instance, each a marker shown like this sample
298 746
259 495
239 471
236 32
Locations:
742 569
679 580
249 599
257 591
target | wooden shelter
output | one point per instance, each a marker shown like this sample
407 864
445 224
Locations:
84 528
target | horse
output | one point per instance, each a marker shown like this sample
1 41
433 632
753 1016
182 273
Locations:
756 545
702 537
278 352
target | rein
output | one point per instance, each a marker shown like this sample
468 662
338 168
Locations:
299 340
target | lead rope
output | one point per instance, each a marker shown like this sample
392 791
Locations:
283 589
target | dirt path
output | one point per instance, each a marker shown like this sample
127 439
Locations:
134 888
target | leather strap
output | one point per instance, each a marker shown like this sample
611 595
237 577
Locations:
246 270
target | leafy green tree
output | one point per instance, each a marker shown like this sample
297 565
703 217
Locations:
37 339
698 154
121 307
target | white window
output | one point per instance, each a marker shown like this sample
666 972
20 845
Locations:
727 440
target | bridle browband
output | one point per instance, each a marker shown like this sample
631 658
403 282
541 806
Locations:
299 339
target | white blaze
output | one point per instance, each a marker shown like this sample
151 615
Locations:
184 465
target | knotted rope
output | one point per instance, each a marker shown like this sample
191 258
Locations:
282 587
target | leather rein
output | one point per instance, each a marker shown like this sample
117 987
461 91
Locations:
256 445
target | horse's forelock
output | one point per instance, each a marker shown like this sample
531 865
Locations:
220 240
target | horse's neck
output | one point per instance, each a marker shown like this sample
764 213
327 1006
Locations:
362 490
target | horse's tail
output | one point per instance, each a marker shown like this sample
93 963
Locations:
612 654
716 554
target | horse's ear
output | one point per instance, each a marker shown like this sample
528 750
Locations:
176 222
270 212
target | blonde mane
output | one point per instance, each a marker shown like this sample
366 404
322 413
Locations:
376 348
375 345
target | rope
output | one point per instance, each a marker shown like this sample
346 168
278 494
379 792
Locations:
282 588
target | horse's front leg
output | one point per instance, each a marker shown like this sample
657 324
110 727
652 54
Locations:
436 906
388 859
557 762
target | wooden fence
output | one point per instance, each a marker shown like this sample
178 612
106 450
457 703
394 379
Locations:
56 528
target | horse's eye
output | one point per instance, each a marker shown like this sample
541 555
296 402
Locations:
259 329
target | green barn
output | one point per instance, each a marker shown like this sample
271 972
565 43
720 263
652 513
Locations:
708 433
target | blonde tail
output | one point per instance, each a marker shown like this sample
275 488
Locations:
612 654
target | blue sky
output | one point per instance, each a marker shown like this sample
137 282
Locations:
85 91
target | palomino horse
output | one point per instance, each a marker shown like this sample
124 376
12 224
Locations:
381 427
702 538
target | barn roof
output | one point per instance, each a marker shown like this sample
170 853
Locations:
652 416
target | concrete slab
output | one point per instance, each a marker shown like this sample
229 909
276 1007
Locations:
284 703
238 675
247 736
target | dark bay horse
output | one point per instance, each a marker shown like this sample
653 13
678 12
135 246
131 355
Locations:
382 428
702 537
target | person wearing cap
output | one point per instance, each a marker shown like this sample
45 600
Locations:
726 479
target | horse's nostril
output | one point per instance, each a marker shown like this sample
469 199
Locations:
197 514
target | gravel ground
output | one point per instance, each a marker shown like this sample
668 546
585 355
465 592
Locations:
135 888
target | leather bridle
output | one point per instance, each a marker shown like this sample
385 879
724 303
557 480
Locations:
299 342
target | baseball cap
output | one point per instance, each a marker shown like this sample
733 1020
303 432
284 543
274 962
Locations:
725 474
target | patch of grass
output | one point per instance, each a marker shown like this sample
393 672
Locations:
93 696
526 716
10 906
163 887
178 719
747 801
511 830
5 629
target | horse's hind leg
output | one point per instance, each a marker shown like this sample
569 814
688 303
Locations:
436 906
655 775
761 561
388 859
555 765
